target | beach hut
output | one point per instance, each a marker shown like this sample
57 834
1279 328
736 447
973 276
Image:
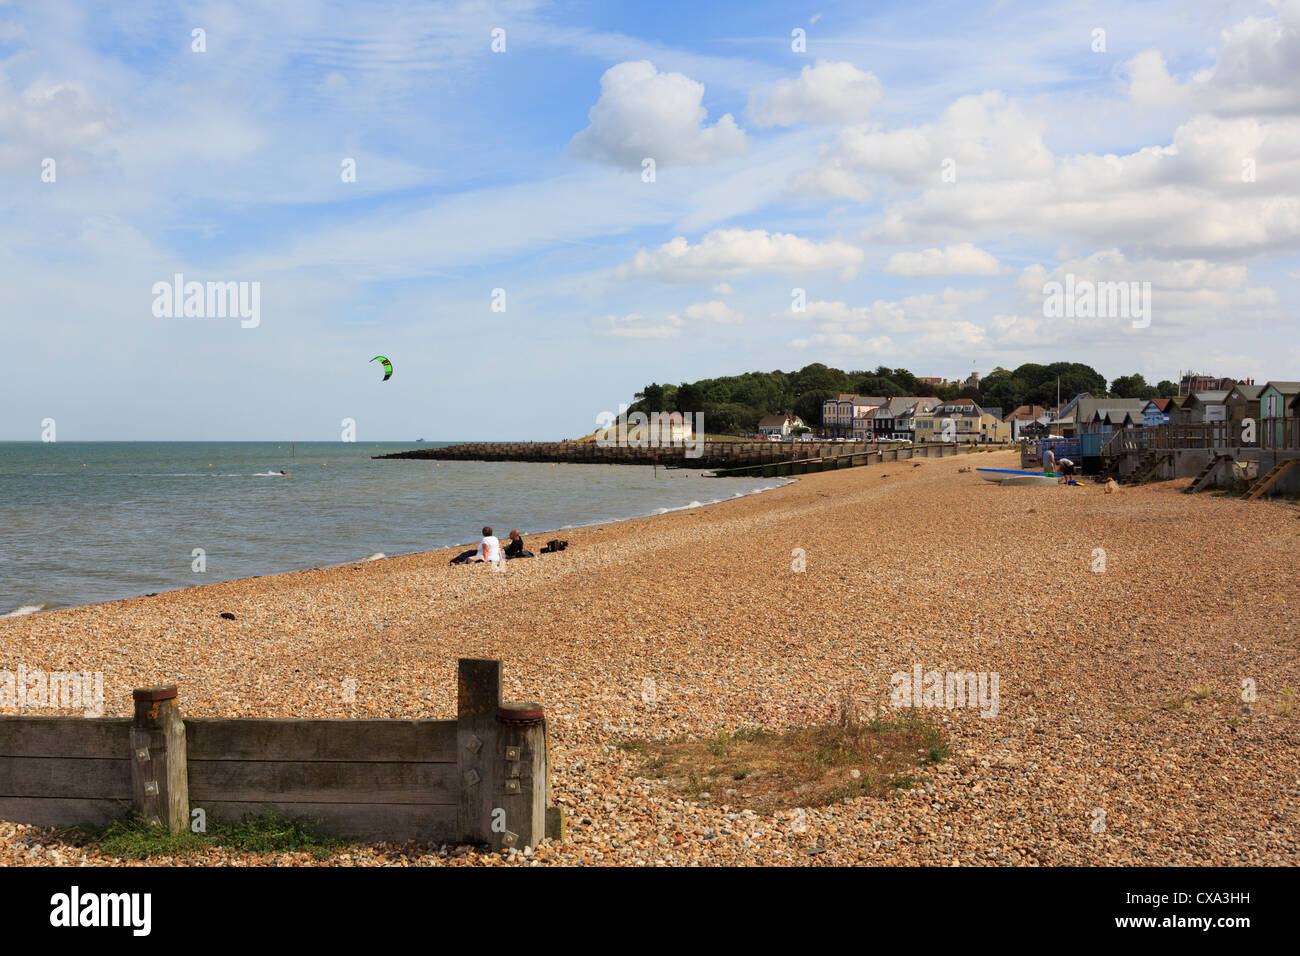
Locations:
1094 435
1243 402
1156 412
1276 407
1205 407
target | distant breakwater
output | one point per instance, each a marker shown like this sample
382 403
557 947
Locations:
717 456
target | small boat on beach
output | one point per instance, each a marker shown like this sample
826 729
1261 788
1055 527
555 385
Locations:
1007 476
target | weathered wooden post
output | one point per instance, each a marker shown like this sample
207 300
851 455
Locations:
523 776
503 764
478 695
159 776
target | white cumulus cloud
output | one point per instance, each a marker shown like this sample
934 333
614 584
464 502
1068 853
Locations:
1256 70
824 92
960 259
984 138
634 326
643 113
933 322
712 312
731 252
1186 294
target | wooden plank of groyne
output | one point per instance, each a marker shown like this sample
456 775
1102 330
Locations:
70 777
63 812
427 741
322 781
64 737
427 823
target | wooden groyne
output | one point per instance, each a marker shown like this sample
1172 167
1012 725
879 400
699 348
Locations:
483 777
738 459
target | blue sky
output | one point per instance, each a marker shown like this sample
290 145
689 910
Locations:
522 170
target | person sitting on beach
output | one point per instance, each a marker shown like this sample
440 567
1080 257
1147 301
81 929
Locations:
489 549
515 546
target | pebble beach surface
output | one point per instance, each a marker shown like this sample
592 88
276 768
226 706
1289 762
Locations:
1121 735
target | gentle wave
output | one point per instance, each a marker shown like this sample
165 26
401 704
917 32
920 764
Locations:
714 501
25 609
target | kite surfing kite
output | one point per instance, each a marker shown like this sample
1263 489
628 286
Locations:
388 366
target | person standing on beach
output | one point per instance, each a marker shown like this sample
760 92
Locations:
1049 461
489 549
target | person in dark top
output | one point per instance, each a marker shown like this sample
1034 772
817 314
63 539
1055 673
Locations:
515 546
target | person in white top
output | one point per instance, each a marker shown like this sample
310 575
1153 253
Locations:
489 549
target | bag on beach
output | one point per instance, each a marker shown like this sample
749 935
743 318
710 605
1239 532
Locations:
555 544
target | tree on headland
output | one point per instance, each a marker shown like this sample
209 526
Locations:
1074 378
875 385
690 397
653 396
808 406
1002 389
817 377
731 418
1132 386
906 381
1033 384
1166 389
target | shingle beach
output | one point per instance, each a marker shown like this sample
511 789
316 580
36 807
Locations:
1121 689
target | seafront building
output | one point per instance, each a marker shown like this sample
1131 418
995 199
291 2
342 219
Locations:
779 426
1027 419
962 422
1192 382
894 420
840 415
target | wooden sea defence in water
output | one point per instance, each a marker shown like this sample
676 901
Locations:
739 459
482 778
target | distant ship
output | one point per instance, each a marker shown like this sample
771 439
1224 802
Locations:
419 439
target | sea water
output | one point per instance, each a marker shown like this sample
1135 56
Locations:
83 522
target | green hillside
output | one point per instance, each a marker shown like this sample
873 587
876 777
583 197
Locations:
734 403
